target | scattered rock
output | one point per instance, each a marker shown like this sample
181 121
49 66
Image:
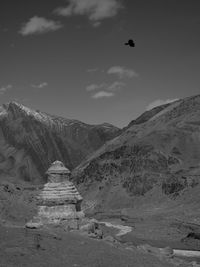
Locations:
33 225
194 264
110 238
92 235
167 251
99 234
159 252
193 235
94 230
89 227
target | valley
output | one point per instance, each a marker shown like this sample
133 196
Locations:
144 177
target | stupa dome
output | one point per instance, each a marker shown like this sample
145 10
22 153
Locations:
58 167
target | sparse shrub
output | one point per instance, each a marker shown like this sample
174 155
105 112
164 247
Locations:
176 151
139 184
173 185
37 239
172 160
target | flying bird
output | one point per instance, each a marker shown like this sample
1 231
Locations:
130 43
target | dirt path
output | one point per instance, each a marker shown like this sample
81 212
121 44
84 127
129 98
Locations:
123 229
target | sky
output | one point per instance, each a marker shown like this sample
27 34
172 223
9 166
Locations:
68 58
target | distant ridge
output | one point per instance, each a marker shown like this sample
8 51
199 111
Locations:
31 140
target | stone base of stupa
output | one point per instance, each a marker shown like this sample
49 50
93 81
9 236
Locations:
70 224
62 215
61 212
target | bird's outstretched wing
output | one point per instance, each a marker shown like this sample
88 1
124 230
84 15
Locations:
130 43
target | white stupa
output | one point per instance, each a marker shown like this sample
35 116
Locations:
59 201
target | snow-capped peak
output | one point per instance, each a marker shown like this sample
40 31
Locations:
31 112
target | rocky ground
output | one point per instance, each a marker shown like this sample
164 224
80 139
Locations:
54 246
170 223
157 225
42 248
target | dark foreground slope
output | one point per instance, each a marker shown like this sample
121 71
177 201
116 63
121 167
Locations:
30 140
152 165
56 248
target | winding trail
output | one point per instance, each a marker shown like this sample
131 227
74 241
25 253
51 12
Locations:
123 229
177 252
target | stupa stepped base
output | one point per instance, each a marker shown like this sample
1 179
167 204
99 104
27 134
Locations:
62 212
58 193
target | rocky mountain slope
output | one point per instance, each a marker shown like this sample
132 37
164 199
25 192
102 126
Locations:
154 160
30 140
147 115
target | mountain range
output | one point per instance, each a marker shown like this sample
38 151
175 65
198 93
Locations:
31 140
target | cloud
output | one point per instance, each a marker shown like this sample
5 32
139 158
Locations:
160 102
102 94
95 10
39 86
105 90
93 87
5 88
96 24
122 72
39 25
116 86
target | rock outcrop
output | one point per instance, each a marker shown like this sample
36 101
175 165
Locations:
59 201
